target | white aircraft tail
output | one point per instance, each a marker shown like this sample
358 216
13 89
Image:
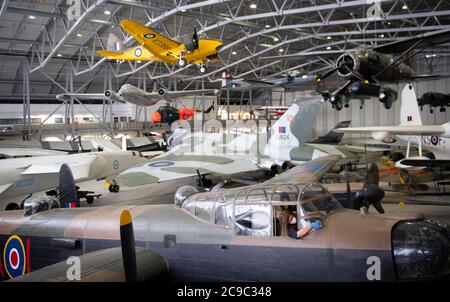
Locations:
124 144
294 126
409 110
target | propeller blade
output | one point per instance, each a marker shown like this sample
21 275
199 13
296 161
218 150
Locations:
373 176
128 246
326 75
195 38
355 74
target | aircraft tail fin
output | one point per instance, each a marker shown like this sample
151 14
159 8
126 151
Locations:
333 137
67 190
294 126
409 110
124 144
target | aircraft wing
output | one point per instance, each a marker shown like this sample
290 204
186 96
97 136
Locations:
170 166
434 163
90 96
150 39
422 41
311 171
4 187
80 166
176 94
398 130
253 83
27 152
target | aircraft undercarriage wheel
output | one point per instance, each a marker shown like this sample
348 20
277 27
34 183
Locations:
338 102
89 199
202 68
387 99
182 62
114 187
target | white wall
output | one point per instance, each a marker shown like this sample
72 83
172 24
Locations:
373 113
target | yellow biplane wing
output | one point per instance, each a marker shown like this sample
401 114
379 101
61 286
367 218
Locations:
138 53
150 39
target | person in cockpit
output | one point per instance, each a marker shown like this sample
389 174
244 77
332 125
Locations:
289 223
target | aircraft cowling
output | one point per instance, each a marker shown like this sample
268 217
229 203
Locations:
345 61
113 96
380 135
400 165
190 44
273 166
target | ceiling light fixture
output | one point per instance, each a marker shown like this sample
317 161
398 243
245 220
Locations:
281 50
404 6
253 5
107 12
31 17
276 39
267 26
234 53
328 38
328 47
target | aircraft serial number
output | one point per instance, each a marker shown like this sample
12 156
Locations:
248 291
24 182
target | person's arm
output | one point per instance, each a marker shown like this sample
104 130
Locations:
304 231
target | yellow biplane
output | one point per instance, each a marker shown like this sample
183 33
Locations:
157 47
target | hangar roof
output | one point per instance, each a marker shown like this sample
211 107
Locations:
37 34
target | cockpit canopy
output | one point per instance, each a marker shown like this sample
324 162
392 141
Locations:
249 210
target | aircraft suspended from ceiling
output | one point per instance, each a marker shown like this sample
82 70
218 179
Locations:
157 47
367 67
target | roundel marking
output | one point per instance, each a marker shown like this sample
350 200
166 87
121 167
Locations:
116 164
149 36
161 164
138 52
14 257
434 140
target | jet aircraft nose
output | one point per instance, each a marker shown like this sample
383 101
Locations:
421 249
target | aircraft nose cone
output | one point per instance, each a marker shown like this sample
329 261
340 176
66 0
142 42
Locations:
421 249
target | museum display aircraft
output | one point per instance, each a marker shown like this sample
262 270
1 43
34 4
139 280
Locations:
168 114
227 235
137 96
436 138
225 154
157 47
367 67
21 177
434 99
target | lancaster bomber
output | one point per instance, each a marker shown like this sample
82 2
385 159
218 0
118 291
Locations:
227 235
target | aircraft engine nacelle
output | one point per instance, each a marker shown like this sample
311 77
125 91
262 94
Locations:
446 130
347 63
400 165
274 167
161 92
113 96
33 205
190 44
380 135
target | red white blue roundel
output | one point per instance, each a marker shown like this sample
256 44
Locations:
14 257
161 164
434 140
138 52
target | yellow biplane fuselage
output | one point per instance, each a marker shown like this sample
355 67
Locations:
156 47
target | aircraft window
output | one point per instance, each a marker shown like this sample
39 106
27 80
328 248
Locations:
285 193
253 220
316 198
258 195
280 222
224 214
204 208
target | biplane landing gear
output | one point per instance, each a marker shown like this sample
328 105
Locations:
114 187
182 62
202 68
